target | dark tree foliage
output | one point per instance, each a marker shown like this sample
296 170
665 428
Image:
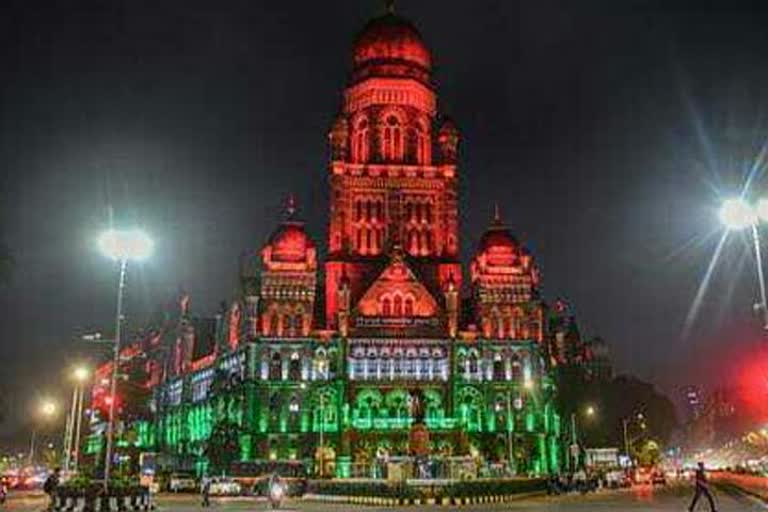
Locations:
614 400
223 446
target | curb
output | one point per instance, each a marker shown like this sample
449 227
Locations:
443 501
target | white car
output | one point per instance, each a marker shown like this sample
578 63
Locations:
222 486
180 482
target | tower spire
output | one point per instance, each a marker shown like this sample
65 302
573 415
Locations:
290 206
496 213
390 6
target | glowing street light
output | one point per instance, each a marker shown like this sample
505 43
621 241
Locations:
590 411
47 409
737 214
121 246
131 244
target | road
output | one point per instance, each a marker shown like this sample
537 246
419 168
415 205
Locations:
634 500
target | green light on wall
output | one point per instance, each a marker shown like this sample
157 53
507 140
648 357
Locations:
530 421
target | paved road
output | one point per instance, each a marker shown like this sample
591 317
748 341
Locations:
635 500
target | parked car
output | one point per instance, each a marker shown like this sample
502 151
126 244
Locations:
223 486
182 482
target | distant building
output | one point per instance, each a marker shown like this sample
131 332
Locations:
693 401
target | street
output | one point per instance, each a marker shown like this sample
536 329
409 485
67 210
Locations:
637 499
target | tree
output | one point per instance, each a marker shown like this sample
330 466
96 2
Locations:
223 446
614 401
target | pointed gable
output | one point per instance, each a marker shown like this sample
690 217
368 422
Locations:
397 292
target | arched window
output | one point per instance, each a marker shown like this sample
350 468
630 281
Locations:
294 367
427 242
474 367
419 217
409 306
386 307
368 239
368 210
517 368
379 210
273 322
358 210
392 140
276 367
360 142
409 212
398 309
423 146
359 239
428 207
498 367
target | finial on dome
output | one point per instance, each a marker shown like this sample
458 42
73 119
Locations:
496 213
290 206
390 6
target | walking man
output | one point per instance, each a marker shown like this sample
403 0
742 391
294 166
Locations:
50 486
702 487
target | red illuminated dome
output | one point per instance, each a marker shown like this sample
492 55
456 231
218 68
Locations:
290 242
390 46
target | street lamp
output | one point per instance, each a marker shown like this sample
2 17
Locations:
80 375
589 411
737 214
121 246
47 409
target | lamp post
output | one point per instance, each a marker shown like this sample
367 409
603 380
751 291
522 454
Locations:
589 412
47 410
121 246
736 214
625 422
72 438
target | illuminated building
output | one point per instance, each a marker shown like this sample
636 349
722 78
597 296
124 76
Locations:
346 358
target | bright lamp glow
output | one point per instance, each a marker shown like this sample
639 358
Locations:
590 410
132 244
762 209
737 214
48 408
80 373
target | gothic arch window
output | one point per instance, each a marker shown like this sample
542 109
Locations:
368 210
517 368
427 242
498 367
276 367
408 212
360 149
358 210
473 365
423 146
398 306
386 306
392 146
409 306
359 240
294 367
379 210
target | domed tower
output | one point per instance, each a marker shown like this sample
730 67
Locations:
288 279
505 286
387 188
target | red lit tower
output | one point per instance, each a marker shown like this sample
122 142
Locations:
393 203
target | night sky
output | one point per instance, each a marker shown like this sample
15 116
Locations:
608 131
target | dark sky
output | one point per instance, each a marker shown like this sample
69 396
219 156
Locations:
608 131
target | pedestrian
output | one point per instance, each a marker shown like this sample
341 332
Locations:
205 489
50 486
702 487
